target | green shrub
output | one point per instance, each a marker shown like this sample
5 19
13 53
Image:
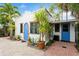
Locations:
18 37
33 42
50 42
78 43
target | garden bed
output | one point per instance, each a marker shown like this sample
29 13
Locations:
49 43
35 47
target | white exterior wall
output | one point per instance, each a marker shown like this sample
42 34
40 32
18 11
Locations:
60 31
34 37
17 28
72 32
57 33
26 18
29 17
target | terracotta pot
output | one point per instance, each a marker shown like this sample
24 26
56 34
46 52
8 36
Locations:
41 44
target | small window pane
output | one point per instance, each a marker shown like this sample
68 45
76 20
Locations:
34 28
21 28
65 27
57 27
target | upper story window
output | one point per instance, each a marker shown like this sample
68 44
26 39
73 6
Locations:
34 28
21 28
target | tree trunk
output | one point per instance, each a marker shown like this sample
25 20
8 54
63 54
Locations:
11 33
42 36
5 31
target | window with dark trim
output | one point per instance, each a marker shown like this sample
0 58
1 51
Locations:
65 28
57 27
34 28
21 28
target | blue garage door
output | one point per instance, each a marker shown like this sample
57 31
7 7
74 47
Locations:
25 31
65 32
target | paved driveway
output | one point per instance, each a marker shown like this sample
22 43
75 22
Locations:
57 49
17 48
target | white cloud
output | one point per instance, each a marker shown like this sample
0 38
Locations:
23 6
27 12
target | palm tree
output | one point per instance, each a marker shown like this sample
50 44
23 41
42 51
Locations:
3 23
52 10
9 11
74 7
44 26
64 7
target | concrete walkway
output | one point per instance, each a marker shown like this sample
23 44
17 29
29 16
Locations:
17 48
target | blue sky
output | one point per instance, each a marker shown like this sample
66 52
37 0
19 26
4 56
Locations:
25 7
30 6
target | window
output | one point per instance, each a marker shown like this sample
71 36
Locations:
34 28
21 28
65 27
57 27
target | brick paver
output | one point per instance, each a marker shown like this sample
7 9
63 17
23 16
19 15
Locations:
57 50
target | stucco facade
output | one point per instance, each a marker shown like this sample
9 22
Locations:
29 17
26 18
72 32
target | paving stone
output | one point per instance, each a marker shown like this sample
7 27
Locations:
57 50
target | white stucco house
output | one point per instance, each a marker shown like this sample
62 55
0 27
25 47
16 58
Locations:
63 28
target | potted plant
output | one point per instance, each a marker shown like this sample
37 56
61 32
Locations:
44 26
18 38
41 44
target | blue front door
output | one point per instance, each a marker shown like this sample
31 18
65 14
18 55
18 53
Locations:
25 31
65 32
